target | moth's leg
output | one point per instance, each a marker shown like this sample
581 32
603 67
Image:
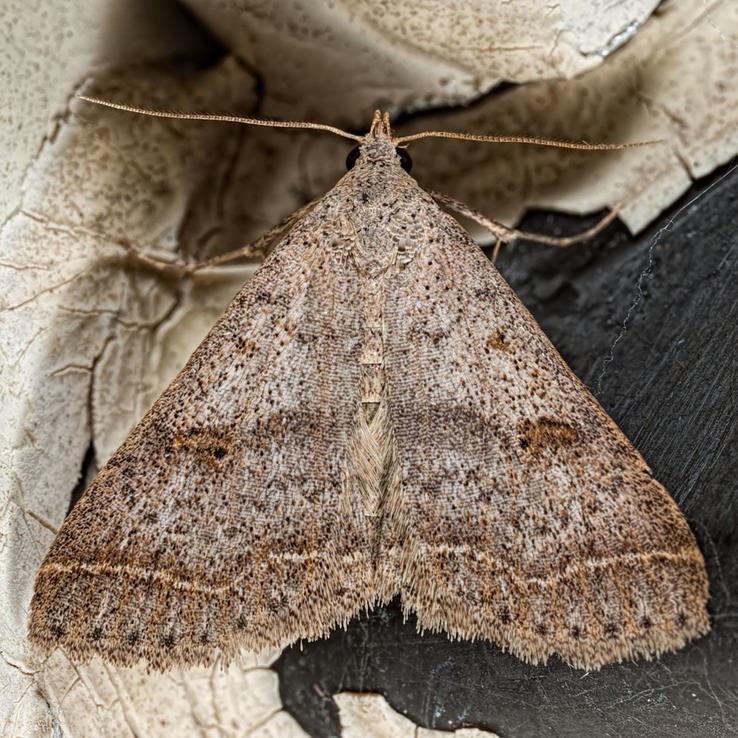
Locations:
505 234
259 247
252 250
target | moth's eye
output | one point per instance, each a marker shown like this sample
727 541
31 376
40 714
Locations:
353 155
405 161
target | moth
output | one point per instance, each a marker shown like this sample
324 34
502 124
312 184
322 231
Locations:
375 414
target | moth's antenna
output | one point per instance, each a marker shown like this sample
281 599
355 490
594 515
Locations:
227 118
345 134
521 139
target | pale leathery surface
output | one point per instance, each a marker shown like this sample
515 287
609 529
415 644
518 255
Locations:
375 414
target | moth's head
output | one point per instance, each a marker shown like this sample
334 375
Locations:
374 149
379 146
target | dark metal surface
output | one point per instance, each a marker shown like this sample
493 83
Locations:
668 378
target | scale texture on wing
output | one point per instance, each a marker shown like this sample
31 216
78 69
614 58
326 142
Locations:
527 516
228 519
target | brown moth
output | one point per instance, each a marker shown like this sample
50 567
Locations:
375 414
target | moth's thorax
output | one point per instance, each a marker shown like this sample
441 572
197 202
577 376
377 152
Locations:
376 148
383 209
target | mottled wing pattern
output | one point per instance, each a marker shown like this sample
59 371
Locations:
228 519
375 413
527 517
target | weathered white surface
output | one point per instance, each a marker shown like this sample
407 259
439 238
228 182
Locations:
97 701
370 716
86 343
49 50
332 60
